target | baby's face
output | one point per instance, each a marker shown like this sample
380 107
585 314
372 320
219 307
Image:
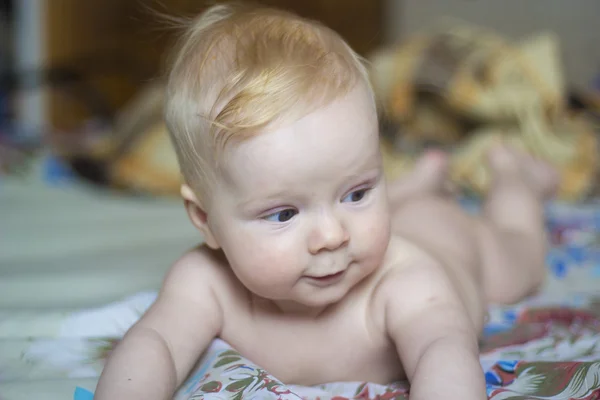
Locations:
301 211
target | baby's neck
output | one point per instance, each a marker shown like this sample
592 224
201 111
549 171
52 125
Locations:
288 308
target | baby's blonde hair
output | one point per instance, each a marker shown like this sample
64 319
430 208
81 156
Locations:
241 69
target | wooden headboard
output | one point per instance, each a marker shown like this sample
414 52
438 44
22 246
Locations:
121 43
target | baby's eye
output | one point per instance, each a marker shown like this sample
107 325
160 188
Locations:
355 196
281 216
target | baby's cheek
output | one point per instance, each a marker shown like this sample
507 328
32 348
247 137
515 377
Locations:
376 233
266 265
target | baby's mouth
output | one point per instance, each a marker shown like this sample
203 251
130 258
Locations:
327 279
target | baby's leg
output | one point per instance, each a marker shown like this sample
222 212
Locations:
429 176
512 233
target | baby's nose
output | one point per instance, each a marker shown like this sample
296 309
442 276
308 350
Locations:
329 234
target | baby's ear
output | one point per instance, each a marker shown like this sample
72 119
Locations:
198 216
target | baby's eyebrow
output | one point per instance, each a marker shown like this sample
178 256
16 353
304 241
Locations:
260 201
365 172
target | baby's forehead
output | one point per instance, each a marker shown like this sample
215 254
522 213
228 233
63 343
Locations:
328 140
292 167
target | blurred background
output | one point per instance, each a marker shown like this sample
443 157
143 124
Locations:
72 70
76 75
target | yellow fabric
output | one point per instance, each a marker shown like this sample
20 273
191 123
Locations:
496 90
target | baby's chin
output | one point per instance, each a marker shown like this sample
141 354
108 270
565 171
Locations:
308 302
327 297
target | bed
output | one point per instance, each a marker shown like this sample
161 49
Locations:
66 246
78 266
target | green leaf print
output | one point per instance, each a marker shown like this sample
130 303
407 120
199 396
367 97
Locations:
569 379
226 360
543 349
590 351
239 385
229 353
360 388
211 387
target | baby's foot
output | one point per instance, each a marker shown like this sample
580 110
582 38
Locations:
509 163
428 176
431 172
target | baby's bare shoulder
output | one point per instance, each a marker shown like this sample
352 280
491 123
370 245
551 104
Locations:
198 271
412 276
197 264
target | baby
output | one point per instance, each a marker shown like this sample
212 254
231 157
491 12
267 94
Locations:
313 267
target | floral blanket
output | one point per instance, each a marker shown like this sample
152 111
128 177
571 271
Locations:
545 347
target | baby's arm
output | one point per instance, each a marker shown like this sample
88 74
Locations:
158 352
434 336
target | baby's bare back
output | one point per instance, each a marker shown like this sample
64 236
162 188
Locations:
441 228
